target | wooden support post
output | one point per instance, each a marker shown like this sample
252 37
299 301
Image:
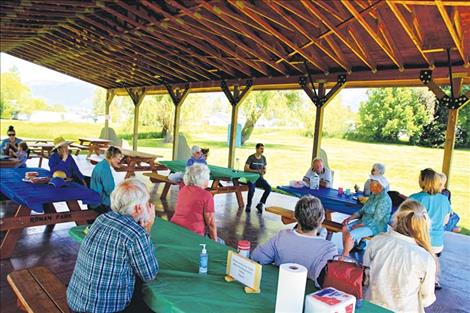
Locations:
454 103
236 98
178 96
110 93
137 95
320 100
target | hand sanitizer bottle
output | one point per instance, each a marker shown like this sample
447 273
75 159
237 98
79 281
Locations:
203 260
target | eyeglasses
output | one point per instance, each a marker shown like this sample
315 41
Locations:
11 135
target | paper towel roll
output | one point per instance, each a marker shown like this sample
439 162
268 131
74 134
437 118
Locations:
291 288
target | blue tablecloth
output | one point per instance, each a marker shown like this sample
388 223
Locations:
35 195
329 198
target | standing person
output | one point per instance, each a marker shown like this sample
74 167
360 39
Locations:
323 172
438 207
116 252
256 163
401 262
62 161
102 180
10 144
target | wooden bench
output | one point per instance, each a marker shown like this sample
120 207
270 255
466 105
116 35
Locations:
39 290
288 217
79 147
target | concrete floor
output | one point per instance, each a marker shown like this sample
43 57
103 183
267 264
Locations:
58 251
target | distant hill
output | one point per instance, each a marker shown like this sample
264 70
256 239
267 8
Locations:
72 95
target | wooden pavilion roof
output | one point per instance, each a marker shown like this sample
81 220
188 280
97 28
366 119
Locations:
127 43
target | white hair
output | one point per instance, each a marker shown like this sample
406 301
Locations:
127 195
379 167
317 159
196 175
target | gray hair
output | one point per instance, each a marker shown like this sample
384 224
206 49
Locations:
317 159
309 213
379 167
196 175
127 195
112 152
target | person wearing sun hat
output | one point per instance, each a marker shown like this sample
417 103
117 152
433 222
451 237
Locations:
62 161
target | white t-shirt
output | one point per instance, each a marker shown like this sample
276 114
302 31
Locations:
325 176
401 275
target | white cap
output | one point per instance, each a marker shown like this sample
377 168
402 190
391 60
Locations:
195 149
379 178
203 248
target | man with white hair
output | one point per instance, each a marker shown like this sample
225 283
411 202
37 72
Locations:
116 249
323 172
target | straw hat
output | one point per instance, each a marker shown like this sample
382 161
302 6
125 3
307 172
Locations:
60 141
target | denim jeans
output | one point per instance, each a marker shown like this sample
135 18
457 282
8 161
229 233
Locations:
260 183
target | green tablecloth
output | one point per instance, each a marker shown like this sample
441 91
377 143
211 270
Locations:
217 172
179 288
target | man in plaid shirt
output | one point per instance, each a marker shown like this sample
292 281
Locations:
116 249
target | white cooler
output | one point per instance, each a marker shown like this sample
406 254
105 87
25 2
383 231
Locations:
330 300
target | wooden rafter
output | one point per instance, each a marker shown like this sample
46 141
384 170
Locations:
312 9
408 29
252 15
452 31
362 21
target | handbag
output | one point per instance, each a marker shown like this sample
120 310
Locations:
346 276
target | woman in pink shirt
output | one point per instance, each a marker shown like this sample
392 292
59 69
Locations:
195 205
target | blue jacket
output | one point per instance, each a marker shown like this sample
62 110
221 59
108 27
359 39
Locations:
102 181
69 167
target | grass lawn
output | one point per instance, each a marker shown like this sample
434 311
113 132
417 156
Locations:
288 154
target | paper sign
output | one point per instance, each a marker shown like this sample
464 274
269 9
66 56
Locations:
244 270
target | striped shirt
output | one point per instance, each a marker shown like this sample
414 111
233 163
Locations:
115 249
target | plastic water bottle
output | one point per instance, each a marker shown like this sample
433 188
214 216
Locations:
315 181
237 164
203 260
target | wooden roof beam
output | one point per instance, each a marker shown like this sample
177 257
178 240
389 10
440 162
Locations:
450 3
409 31
452 31
340 61
158 10
312 9
251 14
391 54
227 36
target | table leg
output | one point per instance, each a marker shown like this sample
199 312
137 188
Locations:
238 192
166 189
40 157
49 208
74 206
8 243
328 217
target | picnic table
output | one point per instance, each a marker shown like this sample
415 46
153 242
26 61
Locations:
92 145
217 174
39 198
133 161
179 287
43 150
8 162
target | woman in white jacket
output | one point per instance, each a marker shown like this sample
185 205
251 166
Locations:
401 263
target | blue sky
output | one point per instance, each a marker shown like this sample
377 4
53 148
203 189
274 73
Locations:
44 83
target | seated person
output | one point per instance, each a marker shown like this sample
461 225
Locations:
256 163
326 178
378 170
196 156
371 219
11 143
62 161
302 244
205 153
194 208
21 154
116 249
102 180
454 218
401 262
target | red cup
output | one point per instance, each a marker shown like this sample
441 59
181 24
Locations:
340 191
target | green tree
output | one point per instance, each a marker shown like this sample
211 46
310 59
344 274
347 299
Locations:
390 113
15 97
254 107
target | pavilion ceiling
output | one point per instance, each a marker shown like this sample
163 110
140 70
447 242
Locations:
143 43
